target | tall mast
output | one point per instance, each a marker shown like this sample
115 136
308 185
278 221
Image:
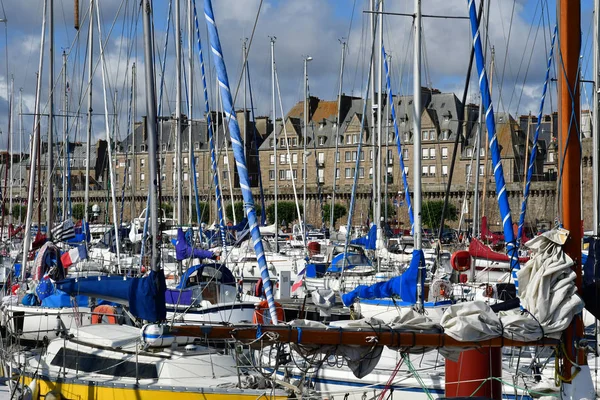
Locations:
387 142
65 136
50 154
337 140
377 152
151 127
133 179
34 151
178 163
245 127
190 78
273 38
10 151
596 120
20 149
88 144
372 119
304 140
569 15
417 126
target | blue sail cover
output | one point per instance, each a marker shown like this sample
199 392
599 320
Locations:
369 241
350 261
403 286
183 250
145 296
226 275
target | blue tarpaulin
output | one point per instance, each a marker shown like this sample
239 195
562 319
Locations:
183 250
352 260
368 241
226 275
403 286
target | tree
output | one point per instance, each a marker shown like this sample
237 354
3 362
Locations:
239 211
432 213
79 210
19 211
168 208
286 211
204 212
339 210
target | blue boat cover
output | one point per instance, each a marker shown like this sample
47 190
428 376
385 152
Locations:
241 226
60 299
403 286
368 241
183 250
352 260
145 296
226 275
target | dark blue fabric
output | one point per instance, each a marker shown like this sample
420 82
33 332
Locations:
591 265
242 225
353 259
60 299
226 275
367 241
403 286
145 296
183 250
189 237
30 300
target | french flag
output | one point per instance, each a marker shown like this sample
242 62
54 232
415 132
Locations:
299 280
74 255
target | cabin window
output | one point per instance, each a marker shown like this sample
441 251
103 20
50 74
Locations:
86 362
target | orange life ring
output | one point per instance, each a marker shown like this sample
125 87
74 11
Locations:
461 260
104 310
261 313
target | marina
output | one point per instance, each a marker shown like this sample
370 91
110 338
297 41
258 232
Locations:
388 221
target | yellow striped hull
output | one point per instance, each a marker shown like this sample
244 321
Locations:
99 391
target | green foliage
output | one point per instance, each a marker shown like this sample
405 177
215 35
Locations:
79 211
204 213
432 213
239 211
19 210
391 210
339 210
286 211
168 208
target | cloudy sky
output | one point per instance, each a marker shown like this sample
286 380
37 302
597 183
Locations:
519 32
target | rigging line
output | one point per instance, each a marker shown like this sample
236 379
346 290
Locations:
507 40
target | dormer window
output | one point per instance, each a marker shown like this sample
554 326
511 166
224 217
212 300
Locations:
321 140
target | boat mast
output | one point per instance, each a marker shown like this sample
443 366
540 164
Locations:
569 14
596 120
417 134
133 159
178 131
337 140
372 125
10 151
65 137
387 144
151 127
88 144
50 154
34 152
377 154
273 38
190 78
20 151
304 140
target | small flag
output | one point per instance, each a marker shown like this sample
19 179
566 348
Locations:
299 280
64 231
74 255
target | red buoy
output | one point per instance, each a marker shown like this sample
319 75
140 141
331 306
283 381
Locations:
461 260
470 376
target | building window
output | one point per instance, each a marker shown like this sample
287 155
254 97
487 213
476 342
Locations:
354 156
468 170
271 143
445 135
321 140
225 175
348 173
432 135
355 138
432 170
142 162
362 156
164 147
425 170
282 158
482 152
349 139
337 173
406 171
444 152
185 176
470 152
348 156
444 170
295 158
425 135
361 172
425 154
142 177
143 147
295 142
272 159
271 175
551 157
406 137
196 145
432 153
186 161
163 177
129 149
185 146
282 175
405 154
337 156
481 169
321 158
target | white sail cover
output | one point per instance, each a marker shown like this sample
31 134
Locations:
547 292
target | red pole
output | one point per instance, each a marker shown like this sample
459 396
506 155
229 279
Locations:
474 372
569 15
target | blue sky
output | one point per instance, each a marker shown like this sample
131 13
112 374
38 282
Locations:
307 27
